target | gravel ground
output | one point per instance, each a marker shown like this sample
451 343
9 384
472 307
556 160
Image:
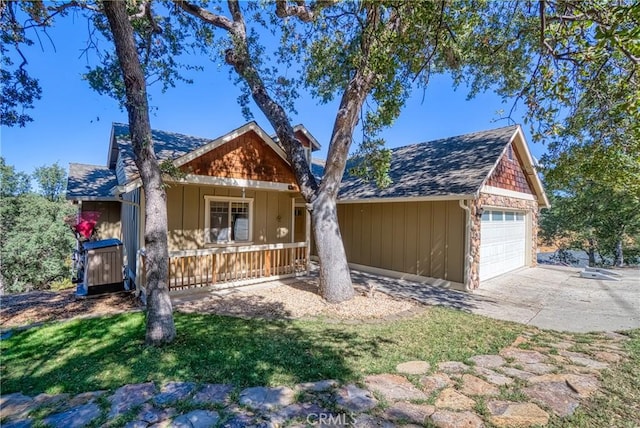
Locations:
294 298
297 298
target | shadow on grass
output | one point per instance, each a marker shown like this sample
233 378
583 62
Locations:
105 353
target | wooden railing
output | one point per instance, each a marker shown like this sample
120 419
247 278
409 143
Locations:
233 265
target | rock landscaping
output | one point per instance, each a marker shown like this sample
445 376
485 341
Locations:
517 388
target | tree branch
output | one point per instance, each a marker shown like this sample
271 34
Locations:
300 10
236 13
218 21
628 54
238 57
148 13
543 42
427 63
590 15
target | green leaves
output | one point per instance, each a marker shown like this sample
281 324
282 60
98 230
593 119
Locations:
52 181
35 244
19 90
167 167
595 202
371 162
12 182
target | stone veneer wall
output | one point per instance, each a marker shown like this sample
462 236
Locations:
488 200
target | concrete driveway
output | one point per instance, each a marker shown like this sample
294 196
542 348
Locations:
549 297
558 298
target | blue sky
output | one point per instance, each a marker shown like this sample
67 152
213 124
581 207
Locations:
72 122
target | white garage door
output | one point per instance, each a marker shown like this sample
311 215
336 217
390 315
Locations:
503 237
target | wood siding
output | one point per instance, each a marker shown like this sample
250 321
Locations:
104 266
272 214
303 139
246 157
510 175
109 222
120 171
420 238
131 230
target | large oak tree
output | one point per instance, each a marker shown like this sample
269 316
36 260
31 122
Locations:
560 57
122 76
160 325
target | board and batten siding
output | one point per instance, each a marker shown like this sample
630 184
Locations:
120 171
272 212
108 225
131 229
419 238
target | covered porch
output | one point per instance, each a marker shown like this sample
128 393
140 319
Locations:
234 215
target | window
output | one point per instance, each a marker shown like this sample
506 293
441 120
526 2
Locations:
497 216
227 220
509 216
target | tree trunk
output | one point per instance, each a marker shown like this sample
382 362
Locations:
618 259
160 326
591 252
335 277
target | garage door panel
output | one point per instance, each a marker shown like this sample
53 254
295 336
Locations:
502 248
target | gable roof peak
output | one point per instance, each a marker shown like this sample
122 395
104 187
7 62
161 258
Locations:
175 147
453 166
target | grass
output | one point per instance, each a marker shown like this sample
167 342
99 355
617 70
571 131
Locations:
617 403
108 352
62 284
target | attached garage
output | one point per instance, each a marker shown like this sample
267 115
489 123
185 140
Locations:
504 242
459 211
423 238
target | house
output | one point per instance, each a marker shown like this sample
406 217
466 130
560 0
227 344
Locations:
235 215
459 210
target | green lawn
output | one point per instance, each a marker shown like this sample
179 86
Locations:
617 403
105 353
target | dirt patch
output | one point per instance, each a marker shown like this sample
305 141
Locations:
278 299
42 306
293 299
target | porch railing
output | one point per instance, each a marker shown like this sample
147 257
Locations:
227 266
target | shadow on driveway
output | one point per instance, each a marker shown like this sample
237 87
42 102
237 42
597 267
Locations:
549 297
423 293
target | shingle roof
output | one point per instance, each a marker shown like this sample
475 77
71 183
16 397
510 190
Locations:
317 168
90 181
446 167
167 145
